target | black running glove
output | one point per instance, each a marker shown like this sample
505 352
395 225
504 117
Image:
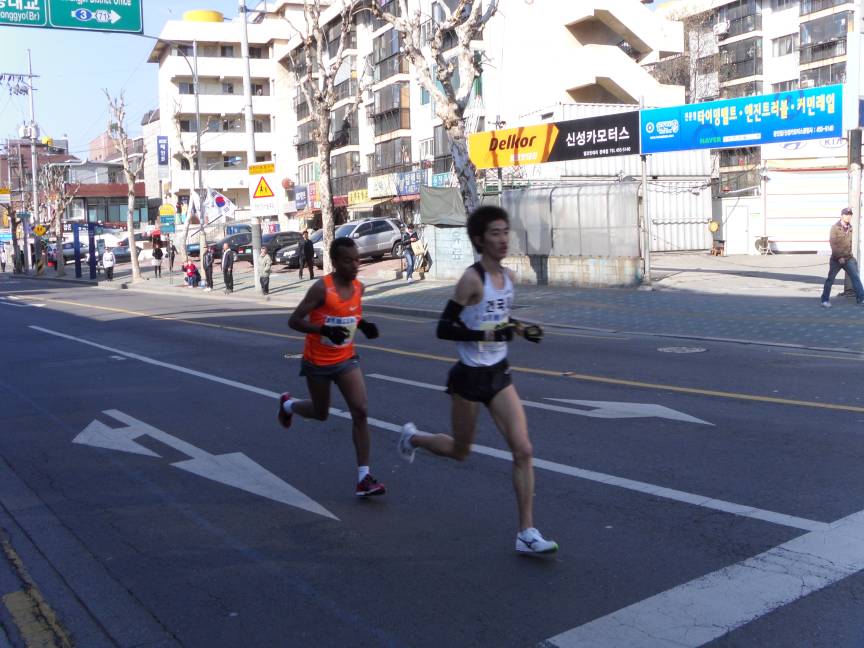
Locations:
336 334
369 329
532 332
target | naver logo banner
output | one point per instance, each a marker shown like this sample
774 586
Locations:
810 113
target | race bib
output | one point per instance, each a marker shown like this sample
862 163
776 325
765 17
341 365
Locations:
490 321
349 323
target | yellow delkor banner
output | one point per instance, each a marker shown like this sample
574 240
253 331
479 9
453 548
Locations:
512 147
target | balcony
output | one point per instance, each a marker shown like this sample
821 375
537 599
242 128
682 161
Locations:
813 52
307 150
346 137
740 69
812 6
390 67
354 182
743 25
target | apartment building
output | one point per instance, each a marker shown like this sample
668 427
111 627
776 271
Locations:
536 56
749 47
220 119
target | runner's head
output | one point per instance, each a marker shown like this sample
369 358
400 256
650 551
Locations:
345 258
489 230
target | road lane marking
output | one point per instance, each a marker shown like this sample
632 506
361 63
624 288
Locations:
713 605
600 409
590 475
622 382
232 469
826 357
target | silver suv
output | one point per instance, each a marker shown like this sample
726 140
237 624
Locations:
374 237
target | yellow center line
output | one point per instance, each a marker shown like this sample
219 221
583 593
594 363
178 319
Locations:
528 370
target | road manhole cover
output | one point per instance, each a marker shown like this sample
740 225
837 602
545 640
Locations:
681 349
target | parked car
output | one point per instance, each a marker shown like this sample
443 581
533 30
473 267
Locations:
279 240
240 243
68 250
374 237
290 254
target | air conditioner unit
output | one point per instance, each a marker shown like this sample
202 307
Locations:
721 28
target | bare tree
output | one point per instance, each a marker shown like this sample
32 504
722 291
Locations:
435 68
58 195
119 137
698 66
316 79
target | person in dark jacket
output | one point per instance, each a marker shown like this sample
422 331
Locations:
306 255
207 262
172 252
228 268
842 259
409 237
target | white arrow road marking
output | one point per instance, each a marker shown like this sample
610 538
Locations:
99 435
613 410
234 469
603 409
707 608
641 487
5 301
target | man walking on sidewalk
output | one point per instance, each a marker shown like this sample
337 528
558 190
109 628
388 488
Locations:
207 262
266 267
108 261
306 254
228 268
842 259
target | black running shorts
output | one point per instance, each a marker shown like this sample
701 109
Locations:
478 384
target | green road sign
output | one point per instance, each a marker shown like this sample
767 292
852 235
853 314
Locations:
26 14
116 16
97 15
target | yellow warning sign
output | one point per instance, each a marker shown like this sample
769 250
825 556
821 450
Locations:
263 189
40 230
266 167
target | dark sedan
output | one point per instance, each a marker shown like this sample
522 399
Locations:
240 243
273 242
290 255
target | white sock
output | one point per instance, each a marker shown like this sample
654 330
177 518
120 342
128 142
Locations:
362 471
288 405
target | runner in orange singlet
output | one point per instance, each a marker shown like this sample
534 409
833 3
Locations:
329 315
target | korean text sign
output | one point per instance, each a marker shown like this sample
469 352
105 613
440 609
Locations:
809 113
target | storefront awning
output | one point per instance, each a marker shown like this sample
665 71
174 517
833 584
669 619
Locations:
368 205
408 198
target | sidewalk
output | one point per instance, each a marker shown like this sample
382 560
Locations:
763 300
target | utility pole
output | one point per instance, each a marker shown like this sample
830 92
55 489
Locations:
854 199
34 136
202 237
250 144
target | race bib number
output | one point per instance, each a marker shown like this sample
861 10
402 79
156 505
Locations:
490 321
349 323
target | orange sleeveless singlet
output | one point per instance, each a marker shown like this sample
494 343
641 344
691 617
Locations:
320 350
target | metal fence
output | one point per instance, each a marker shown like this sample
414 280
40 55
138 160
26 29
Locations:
587 220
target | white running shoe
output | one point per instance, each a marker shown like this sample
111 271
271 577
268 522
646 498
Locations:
826 304
530 541
406 450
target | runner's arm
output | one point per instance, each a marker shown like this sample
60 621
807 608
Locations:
314 299
450 325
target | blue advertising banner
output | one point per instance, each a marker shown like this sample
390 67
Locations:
300 198
810 113
408 183
162 150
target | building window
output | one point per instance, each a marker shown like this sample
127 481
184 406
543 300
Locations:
227 88
391 7
186 88
441 142
226 51
392 153
741 59
778 5
262 157
427 149
825 75
345 164
261 125
824 38
812 6
785 86
259 89
183 50
741 17
256 52
187 126
184 164
785 45
307 173
741 90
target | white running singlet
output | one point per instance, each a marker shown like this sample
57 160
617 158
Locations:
485 316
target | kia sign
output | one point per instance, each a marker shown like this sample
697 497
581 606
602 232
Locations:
811 113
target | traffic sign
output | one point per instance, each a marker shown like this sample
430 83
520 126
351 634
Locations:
40 230
261 196
5 196
121 16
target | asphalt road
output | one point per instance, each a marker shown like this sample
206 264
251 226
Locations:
695 490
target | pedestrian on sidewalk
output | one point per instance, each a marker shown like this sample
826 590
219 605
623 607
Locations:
478 319
841 258
228 268
329 315
207 261
191 273
2 258
408 239
108 261
172 252
266 268
306 255
158 254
